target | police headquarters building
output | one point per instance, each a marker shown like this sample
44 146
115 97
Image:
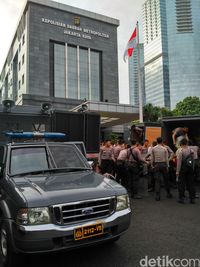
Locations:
63 55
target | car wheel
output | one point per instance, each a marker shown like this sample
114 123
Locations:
8 257
113 240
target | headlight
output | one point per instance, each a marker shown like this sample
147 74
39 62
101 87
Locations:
33 216
122 202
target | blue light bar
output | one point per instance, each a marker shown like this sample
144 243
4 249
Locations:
30 135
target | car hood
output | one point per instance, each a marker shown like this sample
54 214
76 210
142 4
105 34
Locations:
51 189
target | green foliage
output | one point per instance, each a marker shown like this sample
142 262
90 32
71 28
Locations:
154 114
150 113
188 106
165 112
135 122
113 137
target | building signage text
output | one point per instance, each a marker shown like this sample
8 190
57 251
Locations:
76 31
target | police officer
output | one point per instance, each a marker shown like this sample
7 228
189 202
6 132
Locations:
185 175
122 167
178 134
116 150
106 158
134 168
160 164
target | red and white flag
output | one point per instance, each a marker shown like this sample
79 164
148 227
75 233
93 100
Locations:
131 45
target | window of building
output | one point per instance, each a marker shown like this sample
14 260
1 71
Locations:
19 47
23 79
95 75
184 16
19 66
84 73
19 85
23 60
72 72
77 74
23 39
59 71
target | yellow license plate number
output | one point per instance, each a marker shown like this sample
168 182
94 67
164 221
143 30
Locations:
88 231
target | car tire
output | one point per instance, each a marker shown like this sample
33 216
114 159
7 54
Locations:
113 240
8 257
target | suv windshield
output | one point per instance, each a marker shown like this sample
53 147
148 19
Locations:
33 159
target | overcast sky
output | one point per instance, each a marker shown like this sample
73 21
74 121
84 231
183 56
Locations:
127 11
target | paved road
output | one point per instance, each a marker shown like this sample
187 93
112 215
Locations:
157 229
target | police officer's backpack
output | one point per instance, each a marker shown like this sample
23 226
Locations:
188 162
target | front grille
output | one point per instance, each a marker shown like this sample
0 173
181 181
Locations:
81 211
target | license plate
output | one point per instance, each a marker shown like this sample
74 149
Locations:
88 231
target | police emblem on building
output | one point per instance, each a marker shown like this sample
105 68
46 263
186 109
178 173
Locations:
77 21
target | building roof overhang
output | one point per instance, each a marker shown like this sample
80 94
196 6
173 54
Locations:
112 114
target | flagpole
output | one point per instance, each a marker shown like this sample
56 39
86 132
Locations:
139 79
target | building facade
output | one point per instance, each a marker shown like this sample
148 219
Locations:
63 55
183 25
171 50
156 53
133 76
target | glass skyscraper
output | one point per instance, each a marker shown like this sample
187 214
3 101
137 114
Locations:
156 53
171 50
183 25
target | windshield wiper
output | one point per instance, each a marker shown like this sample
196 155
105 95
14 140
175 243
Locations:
31 173
66 169
70 169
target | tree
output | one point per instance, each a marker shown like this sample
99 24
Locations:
113 137
188 106
151 113
154 113
165 112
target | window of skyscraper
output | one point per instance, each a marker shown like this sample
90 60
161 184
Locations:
23 39
184 16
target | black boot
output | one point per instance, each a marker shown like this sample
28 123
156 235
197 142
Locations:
181 201
157 198
192 201
169 195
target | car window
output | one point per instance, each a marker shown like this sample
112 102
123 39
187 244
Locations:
66 156
28 160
